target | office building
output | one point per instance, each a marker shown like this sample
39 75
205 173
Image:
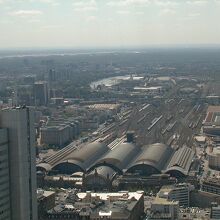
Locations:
211 185
19 123
4 176
162 208
215 211
41 93
177 192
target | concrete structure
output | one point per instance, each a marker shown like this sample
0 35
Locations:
41 93
5 212
21 157
214 158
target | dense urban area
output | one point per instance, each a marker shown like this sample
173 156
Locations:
124 134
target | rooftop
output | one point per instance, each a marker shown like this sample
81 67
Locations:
213 108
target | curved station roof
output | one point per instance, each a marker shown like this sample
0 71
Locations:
180 163
119 157
151 159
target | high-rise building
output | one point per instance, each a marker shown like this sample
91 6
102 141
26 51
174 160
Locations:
41 93
5 212
19 140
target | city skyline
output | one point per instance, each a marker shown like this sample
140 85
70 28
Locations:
108 23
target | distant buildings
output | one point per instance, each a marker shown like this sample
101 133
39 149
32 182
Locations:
59 134
56 135
41 95
17 165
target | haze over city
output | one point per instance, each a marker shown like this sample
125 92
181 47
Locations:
109 109
108 23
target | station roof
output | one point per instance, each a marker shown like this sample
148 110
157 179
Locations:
155 155
120 156
86 155
103 171
181 160
43 166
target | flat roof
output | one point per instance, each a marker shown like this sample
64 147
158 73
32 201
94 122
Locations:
164 201
213 108
104 196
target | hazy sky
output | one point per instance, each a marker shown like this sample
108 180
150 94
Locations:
98 23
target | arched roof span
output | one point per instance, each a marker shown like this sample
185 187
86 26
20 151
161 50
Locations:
181 161
119 157
83 157
43 167
155 156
